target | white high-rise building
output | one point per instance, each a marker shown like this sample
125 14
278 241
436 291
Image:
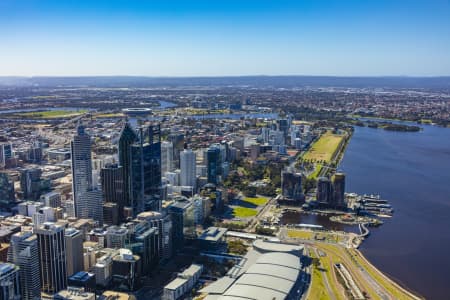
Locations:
81 167
24 252
166 157
188 168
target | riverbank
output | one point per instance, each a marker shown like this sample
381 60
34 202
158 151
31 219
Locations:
392 164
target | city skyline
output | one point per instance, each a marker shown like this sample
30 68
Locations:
370 38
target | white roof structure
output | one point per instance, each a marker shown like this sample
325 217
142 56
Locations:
270 278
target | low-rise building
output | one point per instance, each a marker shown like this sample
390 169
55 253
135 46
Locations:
184 282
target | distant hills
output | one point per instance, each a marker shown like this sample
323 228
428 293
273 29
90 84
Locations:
252 81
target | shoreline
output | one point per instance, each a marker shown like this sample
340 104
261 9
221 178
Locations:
413 294
400 286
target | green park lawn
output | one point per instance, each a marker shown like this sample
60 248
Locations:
50 114
256 200
325 148
244 212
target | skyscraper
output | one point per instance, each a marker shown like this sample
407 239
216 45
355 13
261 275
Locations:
291 185
113 186
338 190
188 168
81 166
177 140
31 183
166 157
127 138
6 153
90 205
324 191
52 257
23 252
74 250
213 157
9 282
146 171
7 198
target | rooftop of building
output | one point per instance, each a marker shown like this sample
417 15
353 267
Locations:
113 295
192 270
7 267
74 294
213 234
272 276
82 276
149 215
267 246
175 284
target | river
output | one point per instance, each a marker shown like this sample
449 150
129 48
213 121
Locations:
412 171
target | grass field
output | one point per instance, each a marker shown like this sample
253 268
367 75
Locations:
244 212
50 114
325 148
256 200
316 172
300 234
317 288
109 115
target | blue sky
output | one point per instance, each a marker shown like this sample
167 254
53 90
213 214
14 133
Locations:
215 37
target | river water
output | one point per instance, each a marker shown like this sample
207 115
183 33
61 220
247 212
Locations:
412 171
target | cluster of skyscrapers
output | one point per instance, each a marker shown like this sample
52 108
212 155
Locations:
115 228
331 193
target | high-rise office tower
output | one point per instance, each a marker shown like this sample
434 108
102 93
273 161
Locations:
163 224
324 190
144 242
113 186
31 183
35 153
188 168
52 257
166 157
90 205
81 166
51 199
6 153
182 216
127 138
177 140
24 253
338 190
74 250
7 198
283 125
9 282
213 157
291 185
265 131
146 171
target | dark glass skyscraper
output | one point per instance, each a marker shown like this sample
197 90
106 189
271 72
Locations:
324 191
213 168
127 138
7 198
145 171
338 190
112 186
